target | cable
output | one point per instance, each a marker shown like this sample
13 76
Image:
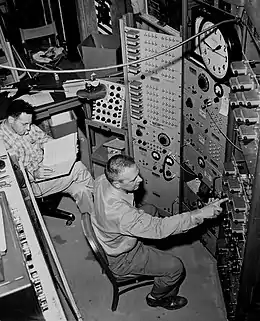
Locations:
186 170
123 64
221 132
252 63
170 154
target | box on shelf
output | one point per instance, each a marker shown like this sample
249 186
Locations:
99 50
114 147
63 124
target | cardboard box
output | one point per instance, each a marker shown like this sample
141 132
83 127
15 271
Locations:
99 50
63 124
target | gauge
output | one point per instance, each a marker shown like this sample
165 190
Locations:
218 90
164 139
156 155
203 82
201 162
169 161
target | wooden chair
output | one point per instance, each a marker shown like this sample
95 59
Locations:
129 281
45 51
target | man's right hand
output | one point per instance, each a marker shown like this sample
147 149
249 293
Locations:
43 172
211 210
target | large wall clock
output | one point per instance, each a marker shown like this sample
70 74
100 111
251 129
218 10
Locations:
219 46
214 50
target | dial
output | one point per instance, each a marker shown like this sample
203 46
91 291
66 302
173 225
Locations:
218 90
156 155
203 82
164 139
214 50
201 162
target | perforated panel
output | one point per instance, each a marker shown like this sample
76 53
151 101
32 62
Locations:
110 109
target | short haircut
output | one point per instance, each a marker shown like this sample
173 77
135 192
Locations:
19 106
116 165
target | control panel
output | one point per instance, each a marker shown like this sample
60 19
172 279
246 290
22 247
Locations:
25 271
238 240
154 75
206 107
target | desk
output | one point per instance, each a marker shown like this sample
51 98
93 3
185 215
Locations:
61 103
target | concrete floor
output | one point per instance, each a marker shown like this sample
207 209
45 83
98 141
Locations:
93 292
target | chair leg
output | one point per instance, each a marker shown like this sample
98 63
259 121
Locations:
115 298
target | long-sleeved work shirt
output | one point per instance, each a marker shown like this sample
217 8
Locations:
118 223
27 148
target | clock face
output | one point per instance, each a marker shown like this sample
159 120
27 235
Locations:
214 50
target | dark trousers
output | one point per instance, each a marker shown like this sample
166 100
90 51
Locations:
167 269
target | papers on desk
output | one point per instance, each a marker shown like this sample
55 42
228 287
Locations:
61 118
38 99
72 86
60 154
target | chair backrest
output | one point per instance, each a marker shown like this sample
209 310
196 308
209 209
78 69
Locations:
95 246
38 32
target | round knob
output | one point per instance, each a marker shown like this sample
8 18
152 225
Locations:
2 164
139 132
168 173
189 103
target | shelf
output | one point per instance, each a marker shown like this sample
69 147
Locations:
105 127
100 156
97 134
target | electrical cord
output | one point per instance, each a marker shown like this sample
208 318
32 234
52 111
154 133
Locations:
252 63
123 64
174 158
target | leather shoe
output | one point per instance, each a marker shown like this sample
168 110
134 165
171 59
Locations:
169 303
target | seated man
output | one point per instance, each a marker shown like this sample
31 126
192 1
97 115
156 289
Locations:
24 142
119 225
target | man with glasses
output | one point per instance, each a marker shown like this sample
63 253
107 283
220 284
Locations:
120 225
24 142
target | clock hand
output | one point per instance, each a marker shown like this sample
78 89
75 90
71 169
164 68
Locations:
213 49
208 45
221 55
217 48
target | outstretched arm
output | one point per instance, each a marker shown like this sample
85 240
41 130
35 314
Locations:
137 223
